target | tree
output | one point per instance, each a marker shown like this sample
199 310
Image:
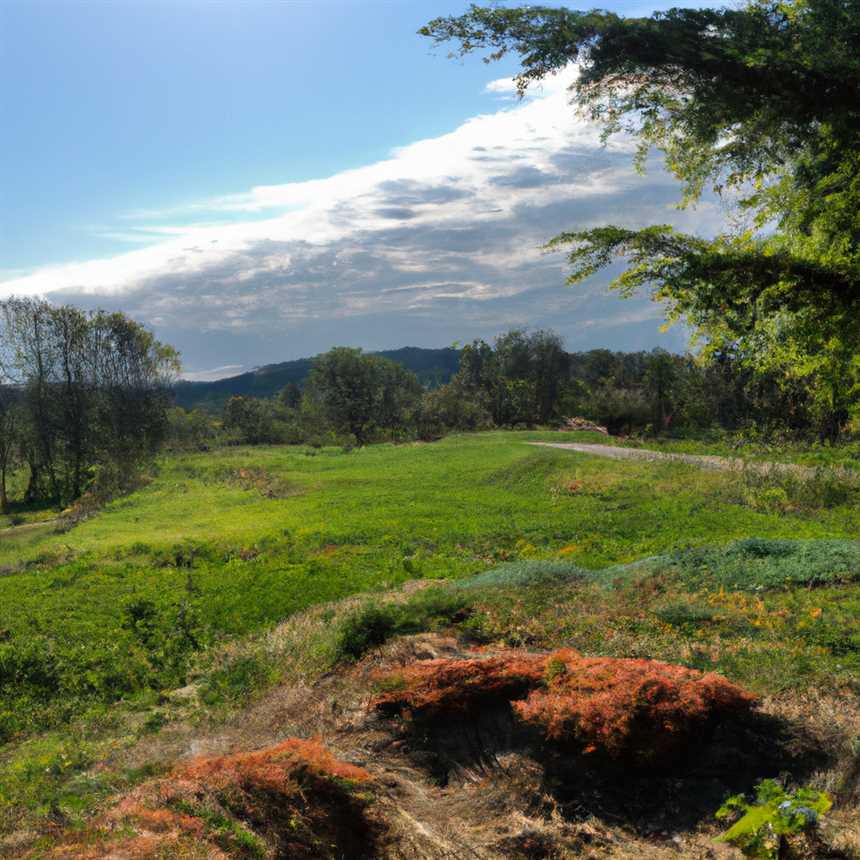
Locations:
761 103
290 396
10 428
359 394
249 420
661 378
518 379
90 392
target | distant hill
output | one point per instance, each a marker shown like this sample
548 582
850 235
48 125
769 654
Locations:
433 367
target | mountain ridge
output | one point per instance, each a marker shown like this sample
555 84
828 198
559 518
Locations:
433 367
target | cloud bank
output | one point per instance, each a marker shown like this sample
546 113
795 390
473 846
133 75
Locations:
439 242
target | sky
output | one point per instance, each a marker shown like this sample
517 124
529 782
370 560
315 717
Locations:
259 181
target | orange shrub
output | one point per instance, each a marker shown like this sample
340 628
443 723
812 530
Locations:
294 798
433 687
642 711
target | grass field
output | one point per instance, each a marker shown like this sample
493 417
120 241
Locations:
221 546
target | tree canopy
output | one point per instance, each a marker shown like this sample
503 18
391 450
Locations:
759 103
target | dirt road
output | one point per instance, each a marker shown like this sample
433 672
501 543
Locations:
703 461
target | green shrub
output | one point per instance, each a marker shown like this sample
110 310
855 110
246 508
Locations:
784 489
373 625
529 572
763 826
758 564
238 681
368 628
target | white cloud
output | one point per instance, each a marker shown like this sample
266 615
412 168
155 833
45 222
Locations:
445 232
213 373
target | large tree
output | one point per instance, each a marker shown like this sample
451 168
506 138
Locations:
360 394
762 104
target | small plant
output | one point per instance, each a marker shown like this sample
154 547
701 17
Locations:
372 626
764 827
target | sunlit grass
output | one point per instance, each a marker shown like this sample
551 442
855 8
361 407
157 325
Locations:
252 536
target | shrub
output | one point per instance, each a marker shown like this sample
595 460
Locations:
368 628
373 625
757 564
291 800
781 489
641 712
644 712
762 828
529 572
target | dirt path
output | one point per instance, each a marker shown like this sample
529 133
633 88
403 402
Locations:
26 527
703 461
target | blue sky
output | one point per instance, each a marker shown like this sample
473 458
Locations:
271 138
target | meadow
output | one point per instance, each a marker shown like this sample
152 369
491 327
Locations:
531 546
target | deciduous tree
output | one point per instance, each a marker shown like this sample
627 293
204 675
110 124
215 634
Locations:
761 103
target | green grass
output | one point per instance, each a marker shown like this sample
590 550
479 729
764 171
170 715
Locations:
338 524
224 545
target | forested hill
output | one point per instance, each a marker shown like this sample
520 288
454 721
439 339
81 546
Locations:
433 367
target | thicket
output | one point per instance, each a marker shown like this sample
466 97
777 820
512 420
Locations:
522 379
83 399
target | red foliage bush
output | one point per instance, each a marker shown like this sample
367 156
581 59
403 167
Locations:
294 797
642 711
434 687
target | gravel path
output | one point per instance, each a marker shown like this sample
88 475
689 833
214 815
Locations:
703 461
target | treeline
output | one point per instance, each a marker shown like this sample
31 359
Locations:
520 380
83 399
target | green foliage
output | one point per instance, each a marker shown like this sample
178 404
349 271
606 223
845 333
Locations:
361 394
758 564
529 572
776 813
708 88
237 681
88 393
373 625
523 379
785 489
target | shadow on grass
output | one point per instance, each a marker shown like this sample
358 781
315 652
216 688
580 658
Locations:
726 758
